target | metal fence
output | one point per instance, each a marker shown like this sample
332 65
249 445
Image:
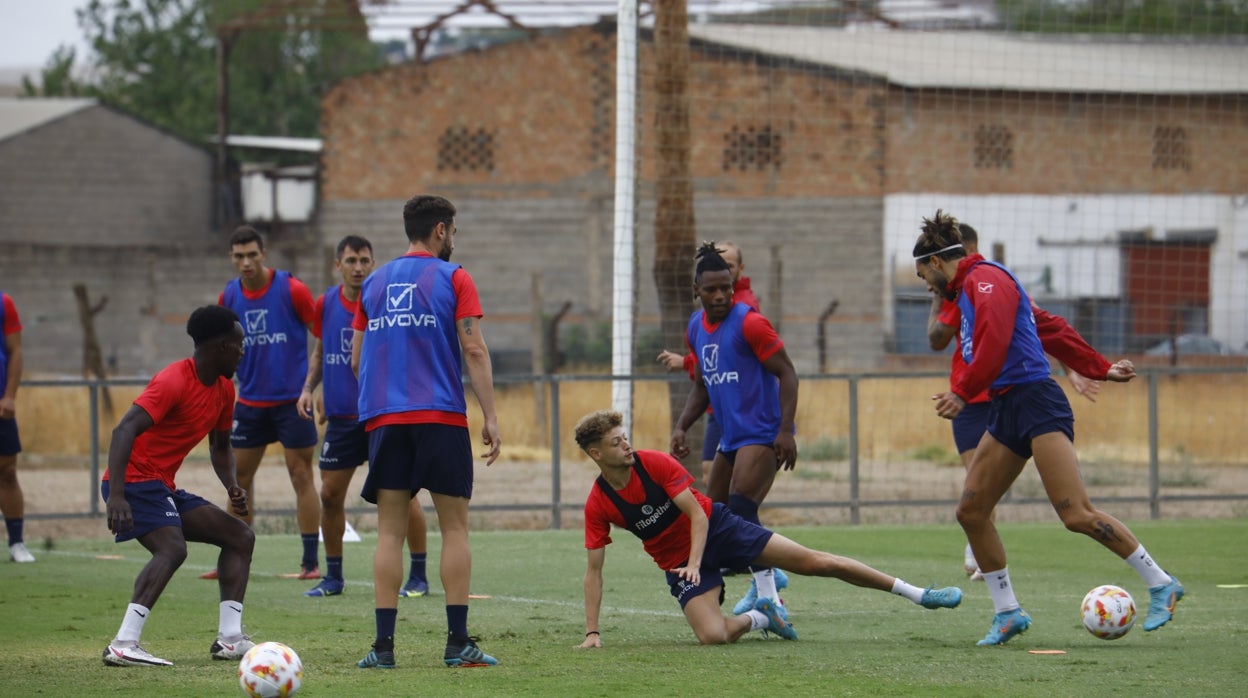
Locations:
868 442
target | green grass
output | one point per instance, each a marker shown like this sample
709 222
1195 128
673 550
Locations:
60 612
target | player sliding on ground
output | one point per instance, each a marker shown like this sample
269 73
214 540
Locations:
649 493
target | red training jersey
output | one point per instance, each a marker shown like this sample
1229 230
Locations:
183 412
669 549
12 323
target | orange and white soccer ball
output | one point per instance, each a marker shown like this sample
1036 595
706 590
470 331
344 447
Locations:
1108 612
270 670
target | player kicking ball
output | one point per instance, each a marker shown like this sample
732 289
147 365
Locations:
649 493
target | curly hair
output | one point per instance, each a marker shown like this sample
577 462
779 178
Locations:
595 425
708 259
210 322
941 236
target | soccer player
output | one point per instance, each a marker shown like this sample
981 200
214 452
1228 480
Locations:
185 401
745 374
346 442
741 293
971 423
417 315
276 309
649 494
1029 415
12 502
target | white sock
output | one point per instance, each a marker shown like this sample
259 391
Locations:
1001 590
132 624
231 619
758 621
909 591
969 555
765 580
1149 571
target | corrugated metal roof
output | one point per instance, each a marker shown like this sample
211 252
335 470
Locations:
990 61
21 115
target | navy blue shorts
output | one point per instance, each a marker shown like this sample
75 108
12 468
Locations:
10 442
260 426
345 445
153 505
1027 411
713 434
434 457
731 542
969 426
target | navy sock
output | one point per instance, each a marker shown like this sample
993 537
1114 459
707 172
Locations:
457 620
310 554
386 618
744 507
333 567
15 530
418 567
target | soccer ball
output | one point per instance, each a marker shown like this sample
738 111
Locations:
270 670
1108 612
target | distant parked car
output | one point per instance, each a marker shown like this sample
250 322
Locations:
1188 345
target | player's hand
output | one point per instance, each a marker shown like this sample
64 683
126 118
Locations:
591 641
1083 385
677 447
1121 372
238 500
672 360
304 405
786 451
489 436
689 574
120 519
948 405
8 408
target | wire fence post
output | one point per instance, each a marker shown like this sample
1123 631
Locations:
93 390
1154 459
855 507
555 477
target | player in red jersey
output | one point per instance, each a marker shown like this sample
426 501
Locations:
187 400
12 502
649 494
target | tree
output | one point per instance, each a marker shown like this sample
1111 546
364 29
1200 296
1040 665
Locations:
1185 17
157 60
57 78
674 228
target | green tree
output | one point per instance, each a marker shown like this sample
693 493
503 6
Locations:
157 59
1173 17
57 78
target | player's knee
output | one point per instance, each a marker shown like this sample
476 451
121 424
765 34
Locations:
713 636
1078 520
970 516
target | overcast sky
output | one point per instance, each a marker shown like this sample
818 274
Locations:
30 30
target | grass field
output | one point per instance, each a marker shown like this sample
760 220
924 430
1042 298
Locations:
60 612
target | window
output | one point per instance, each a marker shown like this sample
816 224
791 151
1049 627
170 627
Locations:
1170 149
994 147
752 148
464 149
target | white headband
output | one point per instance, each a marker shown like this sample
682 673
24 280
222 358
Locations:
933 254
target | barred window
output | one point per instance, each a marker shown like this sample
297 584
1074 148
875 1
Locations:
994 147
752 148
466 149
1170 149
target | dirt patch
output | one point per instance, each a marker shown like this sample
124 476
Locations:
519 494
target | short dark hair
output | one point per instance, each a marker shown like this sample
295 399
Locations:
969 236
708 259
210 322
422 213
940 237
355 242
244 234
595 425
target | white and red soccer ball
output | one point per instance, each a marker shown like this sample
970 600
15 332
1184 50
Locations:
1108 612
270 670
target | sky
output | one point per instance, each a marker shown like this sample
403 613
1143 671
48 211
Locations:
30 30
